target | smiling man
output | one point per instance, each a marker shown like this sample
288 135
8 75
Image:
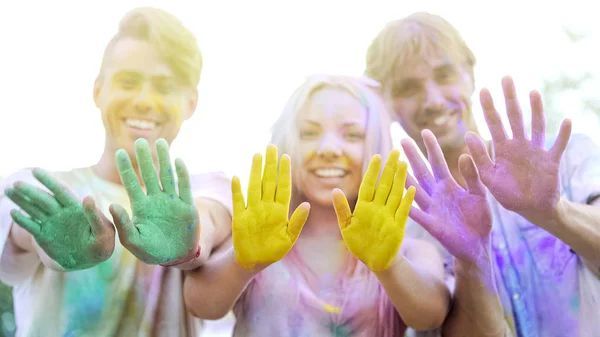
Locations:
529 256
72 275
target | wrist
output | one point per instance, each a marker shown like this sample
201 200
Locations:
184 260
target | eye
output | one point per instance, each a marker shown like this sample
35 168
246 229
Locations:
308 134
406 89
445 76
128 83
164 87
355 135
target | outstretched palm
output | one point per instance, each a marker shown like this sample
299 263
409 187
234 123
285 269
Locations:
375 230
262 233
164 228
74 234
458 218
523 176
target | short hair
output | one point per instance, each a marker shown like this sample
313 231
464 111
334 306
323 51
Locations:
377 139
419 35
174 43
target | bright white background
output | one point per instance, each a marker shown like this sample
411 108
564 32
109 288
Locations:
255 54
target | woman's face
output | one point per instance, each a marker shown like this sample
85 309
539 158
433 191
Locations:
331 131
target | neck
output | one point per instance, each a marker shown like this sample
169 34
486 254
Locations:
106 167
321 222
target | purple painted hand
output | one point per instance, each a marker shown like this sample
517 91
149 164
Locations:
523 176
459 218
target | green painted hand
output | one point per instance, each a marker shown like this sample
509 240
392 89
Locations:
262 233
72 233
374 232
164 228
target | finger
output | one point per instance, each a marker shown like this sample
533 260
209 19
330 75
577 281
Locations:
342 208
404 208
297 220
61 192
128 176
469 173
144 160
513 109
254 185
127 231
387 178
426 221
42 199
20 200
167 178
98 222
397 187
283 194
538 120
420 169
435 156
26 222
492 118
562 140
421 197
237 197
269 181
183 180
479 153
367 186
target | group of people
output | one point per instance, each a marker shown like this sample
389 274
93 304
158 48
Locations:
335 236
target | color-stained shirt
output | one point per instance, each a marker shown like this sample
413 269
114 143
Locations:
545 289
121 296
288 300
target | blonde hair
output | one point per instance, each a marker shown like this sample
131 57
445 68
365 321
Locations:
418 36
175 43
285 132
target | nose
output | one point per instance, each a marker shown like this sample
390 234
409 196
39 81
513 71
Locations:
329 147
144 101
434 98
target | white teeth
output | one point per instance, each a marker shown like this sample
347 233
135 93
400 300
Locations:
441 120
329 172
140 124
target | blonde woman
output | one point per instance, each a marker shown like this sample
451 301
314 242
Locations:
339 266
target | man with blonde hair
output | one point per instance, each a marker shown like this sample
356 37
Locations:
532 249
72 275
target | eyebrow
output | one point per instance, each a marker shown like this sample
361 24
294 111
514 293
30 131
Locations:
345 124
124 73
445 67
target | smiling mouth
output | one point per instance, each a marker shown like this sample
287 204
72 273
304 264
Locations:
330 172
141 124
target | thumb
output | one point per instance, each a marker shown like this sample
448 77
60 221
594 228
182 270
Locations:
122 223
342 208
98 222
297 220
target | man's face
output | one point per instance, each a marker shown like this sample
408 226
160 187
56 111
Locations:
139 96
433 94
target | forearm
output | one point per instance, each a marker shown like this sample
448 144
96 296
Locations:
476 309
215 228
211 290
578 226
420 297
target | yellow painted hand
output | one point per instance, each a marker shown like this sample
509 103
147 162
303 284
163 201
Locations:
374 232
262 233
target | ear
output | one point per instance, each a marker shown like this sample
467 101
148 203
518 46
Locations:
192 102
97 88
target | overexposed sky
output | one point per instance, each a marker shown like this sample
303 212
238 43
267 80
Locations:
255 54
